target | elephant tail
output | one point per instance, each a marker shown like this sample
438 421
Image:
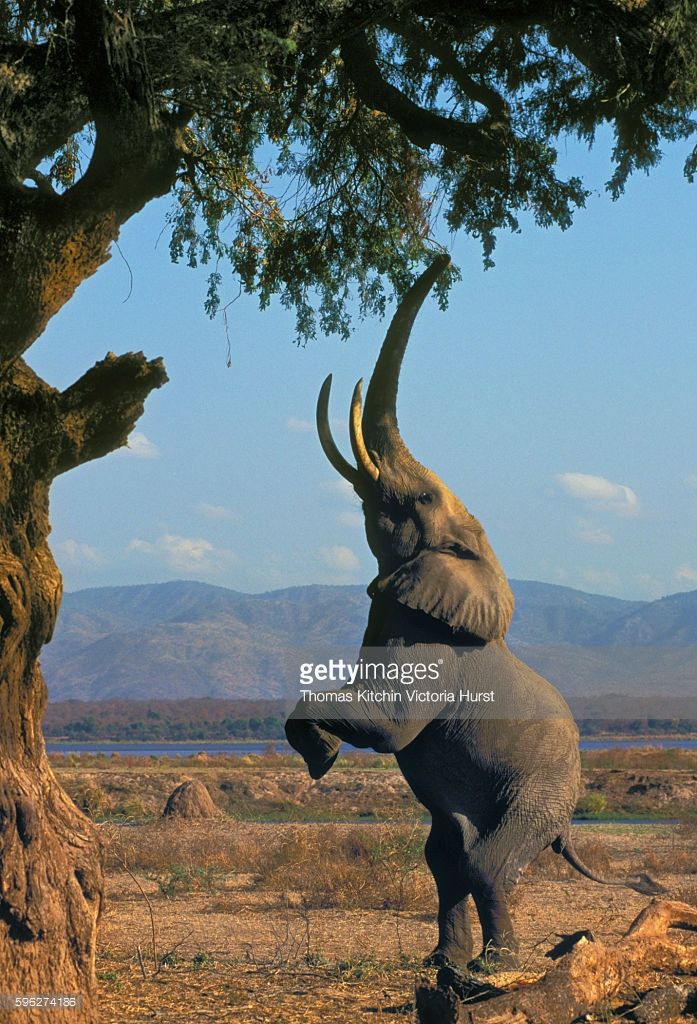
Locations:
643 883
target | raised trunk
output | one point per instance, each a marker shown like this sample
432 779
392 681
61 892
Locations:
380 429
50 859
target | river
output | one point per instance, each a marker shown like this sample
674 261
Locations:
142 749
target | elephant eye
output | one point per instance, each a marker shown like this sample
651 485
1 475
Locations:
425 498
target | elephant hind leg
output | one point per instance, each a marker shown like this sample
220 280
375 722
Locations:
495 863
444 856
500 946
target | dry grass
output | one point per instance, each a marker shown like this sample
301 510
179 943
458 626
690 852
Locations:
641 758
592 851
278 789
629 758
679 859
379 868
376 867
271 758
195 845
369 867
283 925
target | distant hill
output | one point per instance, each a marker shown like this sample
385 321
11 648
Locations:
184 639
549 614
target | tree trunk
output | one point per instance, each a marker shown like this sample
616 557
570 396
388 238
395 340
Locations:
50 860
590 977
50 857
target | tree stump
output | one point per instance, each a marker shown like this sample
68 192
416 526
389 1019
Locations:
190 800
588 977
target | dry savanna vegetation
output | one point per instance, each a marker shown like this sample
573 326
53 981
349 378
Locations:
633 784
307 901
278 924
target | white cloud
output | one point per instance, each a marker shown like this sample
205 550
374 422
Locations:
141 447
73 551
590 533
341 488
185 554
351 517
339 557
219 512
298 426
141 545
691 481
686 573
600 492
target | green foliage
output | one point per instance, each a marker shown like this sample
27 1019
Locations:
201 960
324 142
590 805
184 878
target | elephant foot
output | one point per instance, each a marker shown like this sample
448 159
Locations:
317 769
457 958
465 985
494 959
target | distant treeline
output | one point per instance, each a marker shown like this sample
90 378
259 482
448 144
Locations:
212 719
191 719
589 727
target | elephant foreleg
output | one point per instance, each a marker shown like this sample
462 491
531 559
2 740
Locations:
444 857
318 747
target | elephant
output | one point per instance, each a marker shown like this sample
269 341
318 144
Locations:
501 779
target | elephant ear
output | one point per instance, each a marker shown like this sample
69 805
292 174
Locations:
469 594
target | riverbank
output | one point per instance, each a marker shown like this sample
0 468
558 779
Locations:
635 785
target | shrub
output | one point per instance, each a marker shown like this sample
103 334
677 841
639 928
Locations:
591 805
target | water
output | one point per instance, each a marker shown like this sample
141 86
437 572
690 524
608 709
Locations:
674 743
188 749
194 747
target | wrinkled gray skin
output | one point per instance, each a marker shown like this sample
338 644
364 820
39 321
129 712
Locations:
499 790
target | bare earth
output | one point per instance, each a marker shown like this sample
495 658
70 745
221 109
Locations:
262 949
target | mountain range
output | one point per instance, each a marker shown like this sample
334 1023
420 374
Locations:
187 639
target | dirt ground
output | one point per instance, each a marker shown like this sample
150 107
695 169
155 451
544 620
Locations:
245 948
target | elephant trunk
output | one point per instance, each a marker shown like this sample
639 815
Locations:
380 430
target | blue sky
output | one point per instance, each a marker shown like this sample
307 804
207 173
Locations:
556 397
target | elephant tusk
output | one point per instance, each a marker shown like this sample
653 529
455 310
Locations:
360 451
340 464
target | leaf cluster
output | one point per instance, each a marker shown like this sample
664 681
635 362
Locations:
326 141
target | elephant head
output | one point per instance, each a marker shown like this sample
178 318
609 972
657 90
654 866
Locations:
433 554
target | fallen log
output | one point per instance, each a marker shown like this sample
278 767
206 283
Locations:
587 978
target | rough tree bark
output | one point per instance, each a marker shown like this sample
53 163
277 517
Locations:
50 859
50 865
588 977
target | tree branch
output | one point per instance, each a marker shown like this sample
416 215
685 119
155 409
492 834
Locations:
42 104
100 409
424 128
49 244
478 91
